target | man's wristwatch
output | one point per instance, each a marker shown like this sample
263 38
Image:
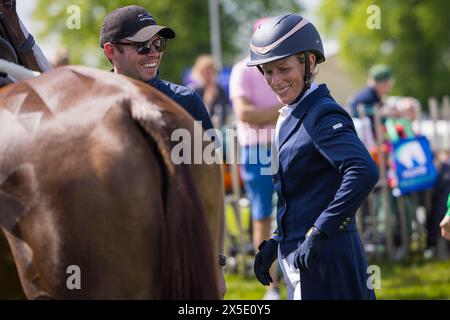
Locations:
222 260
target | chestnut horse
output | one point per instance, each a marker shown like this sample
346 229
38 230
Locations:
87 182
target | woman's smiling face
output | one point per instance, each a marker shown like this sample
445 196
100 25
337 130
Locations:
286 77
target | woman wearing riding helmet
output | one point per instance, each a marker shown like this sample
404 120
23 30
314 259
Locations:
323 171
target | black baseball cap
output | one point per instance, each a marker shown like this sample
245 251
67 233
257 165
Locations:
132 23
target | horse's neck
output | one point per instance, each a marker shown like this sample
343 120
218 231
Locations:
42 62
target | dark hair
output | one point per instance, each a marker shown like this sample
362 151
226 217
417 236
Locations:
300 57
118 49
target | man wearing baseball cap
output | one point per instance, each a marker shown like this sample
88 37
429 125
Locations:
379 84
134 43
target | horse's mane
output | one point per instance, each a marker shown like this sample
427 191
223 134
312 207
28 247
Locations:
187 241
186 246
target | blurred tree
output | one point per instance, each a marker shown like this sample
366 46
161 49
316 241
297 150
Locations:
189 19
413 38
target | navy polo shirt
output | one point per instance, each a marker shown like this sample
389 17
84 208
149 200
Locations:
186 98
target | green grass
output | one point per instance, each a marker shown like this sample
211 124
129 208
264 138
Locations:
425 280
414 279
421 280
239 288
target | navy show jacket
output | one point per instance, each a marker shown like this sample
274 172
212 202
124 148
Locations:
324 171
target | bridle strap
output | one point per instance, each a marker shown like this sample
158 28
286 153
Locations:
27 45
23 49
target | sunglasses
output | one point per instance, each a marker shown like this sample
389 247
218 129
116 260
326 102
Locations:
146 47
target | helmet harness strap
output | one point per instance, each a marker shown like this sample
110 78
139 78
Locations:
260 69
307 77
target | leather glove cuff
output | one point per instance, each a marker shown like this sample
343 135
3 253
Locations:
271 244
315 234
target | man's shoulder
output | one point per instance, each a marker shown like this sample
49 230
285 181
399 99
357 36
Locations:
175 90
365 96
186 97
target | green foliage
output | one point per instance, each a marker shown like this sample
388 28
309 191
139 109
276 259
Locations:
189 19
414 39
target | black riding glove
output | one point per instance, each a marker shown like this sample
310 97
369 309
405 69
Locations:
306 255
264 259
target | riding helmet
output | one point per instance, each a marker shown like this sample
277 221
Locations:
282 36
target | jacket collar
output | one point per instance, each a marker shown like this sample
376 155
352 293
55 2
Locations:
300 110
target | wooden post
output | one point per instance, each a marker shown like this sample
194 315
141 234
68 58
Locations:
360 217
373 222
446 118
419 118
385 203
403 221
235 183
433 109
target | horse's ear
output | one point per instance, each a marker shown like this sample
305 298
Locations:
11 209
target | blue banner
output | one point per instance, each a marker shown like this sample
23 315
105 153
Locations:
414 164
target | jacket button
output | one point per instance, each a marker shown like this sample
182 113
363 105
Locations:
345 223
341 228
348 219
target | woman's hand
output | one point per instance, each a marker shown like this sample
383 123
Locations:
307 252
264 260
445 227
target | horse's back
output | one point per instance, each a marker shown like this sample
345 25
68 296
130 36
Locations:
90 190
